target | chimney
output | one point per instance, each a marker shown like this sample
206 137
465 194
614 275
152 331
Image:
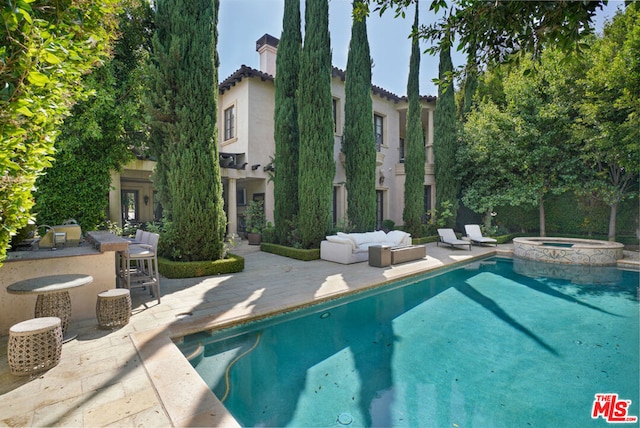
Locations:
267 47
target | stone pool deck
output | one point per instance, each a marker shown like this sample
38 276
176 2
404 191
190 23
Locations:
134 376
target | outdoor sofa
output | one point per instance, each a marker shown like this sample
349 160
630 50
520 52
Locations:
347 248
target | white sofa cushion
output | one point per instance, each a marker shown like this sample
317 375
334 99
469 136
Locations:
346 235
360 238
341 240
395 236
378 236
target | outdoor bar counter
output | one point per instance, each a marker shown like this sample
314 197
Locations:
96 257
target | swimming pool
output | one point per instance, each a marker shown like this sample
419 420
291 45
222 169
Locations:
480 345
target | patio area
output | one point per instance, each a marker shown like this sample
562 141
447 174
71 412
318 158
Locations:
134 376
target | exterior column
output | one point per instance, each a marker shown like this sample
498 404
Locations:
232 207
430 138
115 199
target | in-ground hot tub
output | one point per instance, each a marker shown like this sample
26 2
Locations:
568 250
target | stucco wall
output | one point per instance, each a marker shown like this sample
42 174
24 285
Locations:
16 308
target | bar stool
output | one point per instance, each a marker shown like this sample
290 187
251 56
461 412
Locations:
113 308
145 272
35 345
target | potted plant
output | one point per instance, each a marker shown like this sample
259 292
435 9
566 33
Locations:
255 222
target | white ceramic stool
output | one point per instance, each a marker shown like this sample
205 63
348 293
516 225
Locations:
113 308
34 345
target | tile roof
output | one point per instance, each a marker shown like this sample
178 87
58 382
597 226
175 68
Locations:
246 72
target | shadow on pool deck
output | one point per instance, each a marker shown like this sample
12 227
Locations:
135 376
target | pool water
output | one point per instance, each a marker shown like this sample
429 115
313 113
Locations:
478 346
557 244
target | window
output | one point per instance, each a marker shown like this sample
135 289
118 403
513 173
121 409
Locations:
379 130
401 150
335 115
157 207
427 204
230 123
379 208
241 196
334 206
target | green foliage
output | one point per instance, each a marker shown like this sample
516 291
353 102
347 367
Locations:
293 253
182 104
425 239
609 121
509 27
98 136
506 27
469 88
315 121
521 152
269 233
173 269
75 187
45 50
414 146
569 213
254 217
445 142
358 143
441 218
342 225
286 134
111 226
388 224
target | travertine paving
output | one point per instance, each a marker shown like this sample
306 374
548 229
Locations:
136 376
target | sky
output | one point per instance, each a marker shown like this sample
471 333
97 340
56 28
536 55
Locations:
242 22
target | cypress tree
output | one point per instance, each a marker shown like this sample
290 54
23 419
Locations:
414 145
315 121
444 136
184 112
285 183
358 142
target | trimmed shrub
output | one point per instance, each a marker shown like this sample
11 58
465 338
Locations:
293 253
171 269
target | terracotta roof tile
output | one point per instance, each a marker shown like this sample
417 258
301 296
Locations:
246 72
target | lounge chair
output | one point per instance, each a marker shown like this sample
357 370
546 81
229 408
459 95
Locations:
448 236
474 233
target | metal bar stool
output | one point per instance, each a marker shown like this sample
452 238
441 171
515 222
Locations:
144 272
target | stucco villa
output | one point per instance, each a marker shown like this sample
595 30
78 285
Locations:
247 148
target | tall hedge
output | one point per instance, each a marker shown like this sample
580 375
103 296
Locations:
98 136
286 136
358 142
183 106
414 145
315 121
444 136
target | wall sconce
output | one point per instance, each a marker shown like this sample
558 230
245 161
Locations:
381 180
146 199
254 167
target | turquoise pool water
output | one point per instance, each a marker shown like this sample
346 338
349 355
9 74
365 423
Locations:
484 345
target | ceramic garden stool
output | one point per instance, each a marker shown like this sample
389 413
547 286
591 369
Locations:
34 345
113 308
